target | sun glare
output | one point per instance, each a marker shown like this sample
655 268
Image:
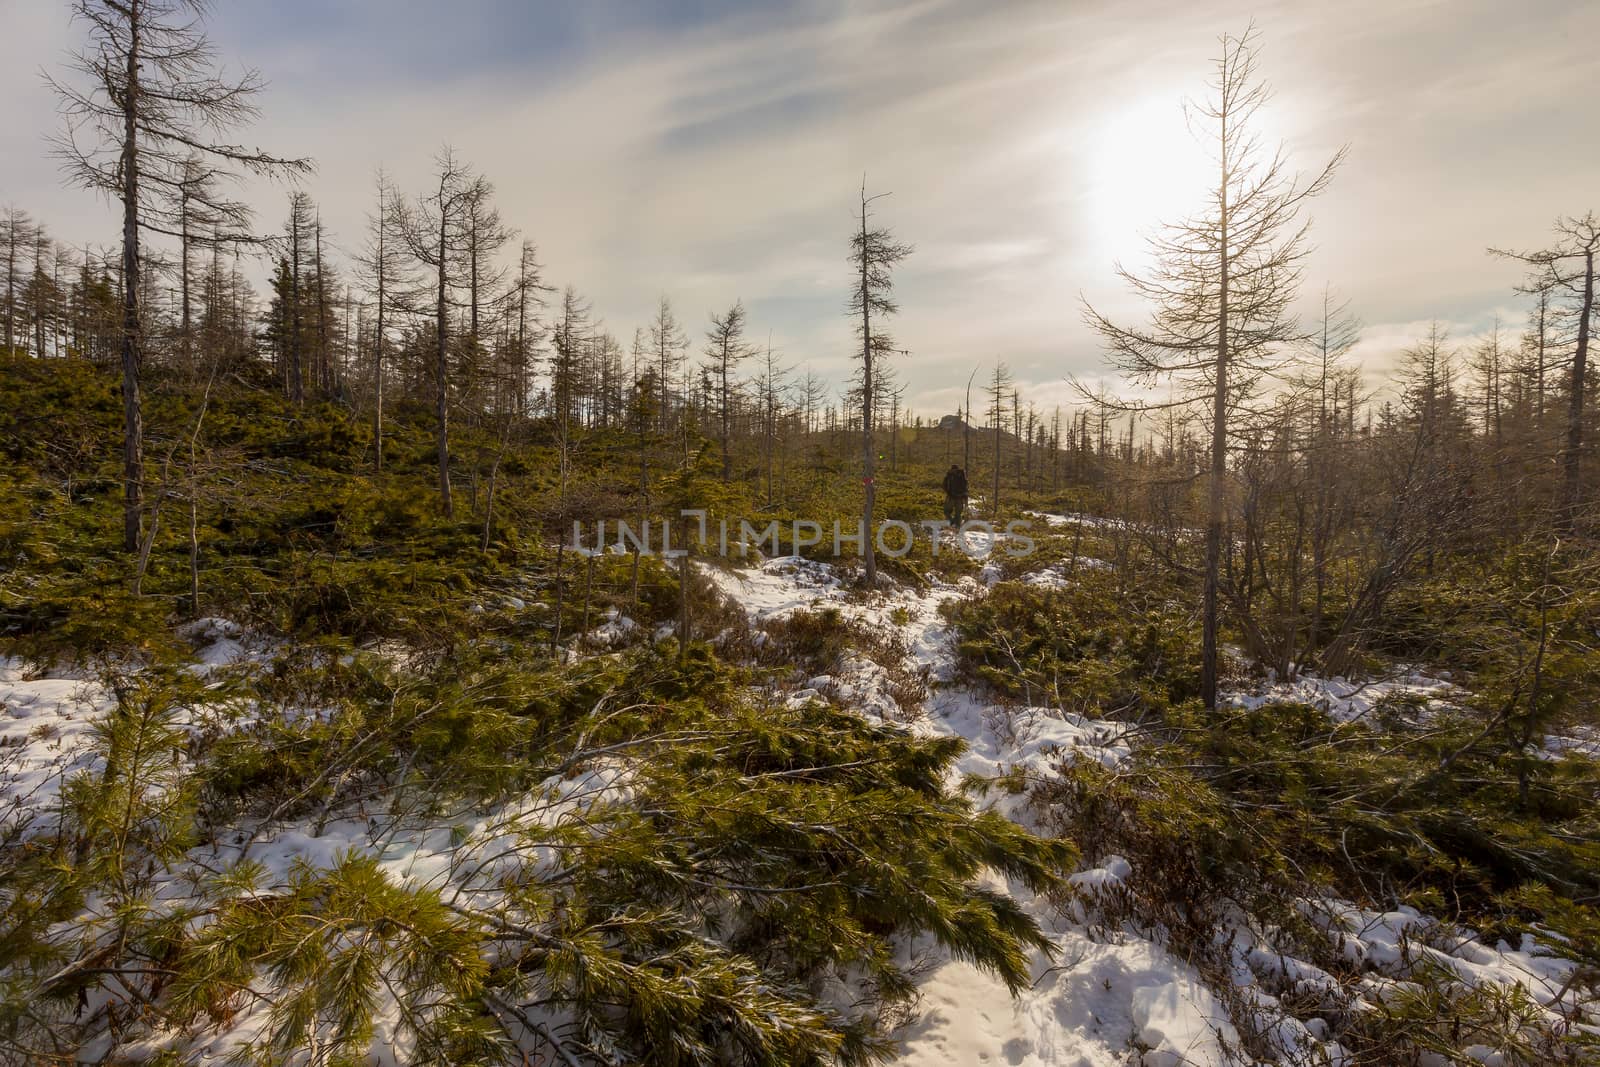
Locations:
1144 167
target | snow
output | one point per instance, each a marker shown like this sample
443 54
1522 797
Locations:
1059 575
1583 740
45 728
220 642
1345 700
779 586
1117 997
46 731
1394 943
1059 520
1094 1006
1074 518
1180 1022
1107 994
614 629
1086 1006
1112 872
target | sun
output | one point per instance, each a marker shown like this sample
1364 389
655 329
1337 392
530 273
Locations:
1143 167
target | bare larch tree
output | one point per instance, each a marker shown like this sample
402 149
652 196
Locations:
434 236
1565 272
1221 286
483 234
528 297
726 348
299 221
999 383
390 281
874 254
667 341
142 118
16 236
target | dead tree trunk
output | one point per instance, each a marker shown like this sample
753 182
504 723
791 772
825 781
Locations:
132 416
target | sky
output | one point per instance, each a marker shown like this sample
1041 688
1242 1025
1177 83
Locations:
713 150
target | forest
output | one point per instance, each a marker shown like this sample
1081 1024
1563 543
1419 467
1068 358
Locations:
1252 718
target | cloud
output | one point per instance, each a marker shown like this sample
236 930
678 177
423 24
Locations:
713 151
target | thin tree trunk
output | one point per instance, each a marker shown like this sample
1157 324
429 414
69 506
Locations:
440 371
1219 458
555 630
994 504
1524 763
868 459
966 428
377 351
588 593
324 361
149 538
194 498
683 609
644 499
1538 410
297 355
494 475
183 274
11 287
194 545
727 416
1572 491
132 417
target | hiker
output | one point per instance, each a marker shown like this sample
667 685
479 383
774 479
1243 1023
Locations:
955 495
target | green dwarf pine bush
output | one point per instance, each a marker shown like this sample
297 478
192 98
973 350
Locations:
751 859
1439 805
1083 648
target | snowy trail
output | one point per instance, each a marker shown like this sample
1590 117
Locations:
1085 1007
1114 998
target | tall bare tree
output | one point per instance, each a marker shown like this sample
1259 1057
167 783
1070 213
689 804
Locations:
16 236
327 373
1222 286
1335 335
483 234
726 348
390 281
999 384
874 253
1535 344
205 217
434 235
667 342
772 385
151 95
525 325
568 355
297 224
1565 272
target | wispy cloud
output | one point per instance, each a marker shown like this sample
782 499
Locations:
712 150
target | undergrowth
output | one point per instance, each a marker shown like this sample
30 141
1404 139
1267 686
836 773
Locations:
733 865
1243 816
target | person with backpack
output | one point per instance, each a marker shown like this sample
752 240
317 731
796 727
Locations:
955 495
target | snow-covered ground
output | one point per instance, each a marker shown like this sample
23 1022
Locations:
45 728
1354 701
1119 998
1088 1005
1106 996
1344 700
